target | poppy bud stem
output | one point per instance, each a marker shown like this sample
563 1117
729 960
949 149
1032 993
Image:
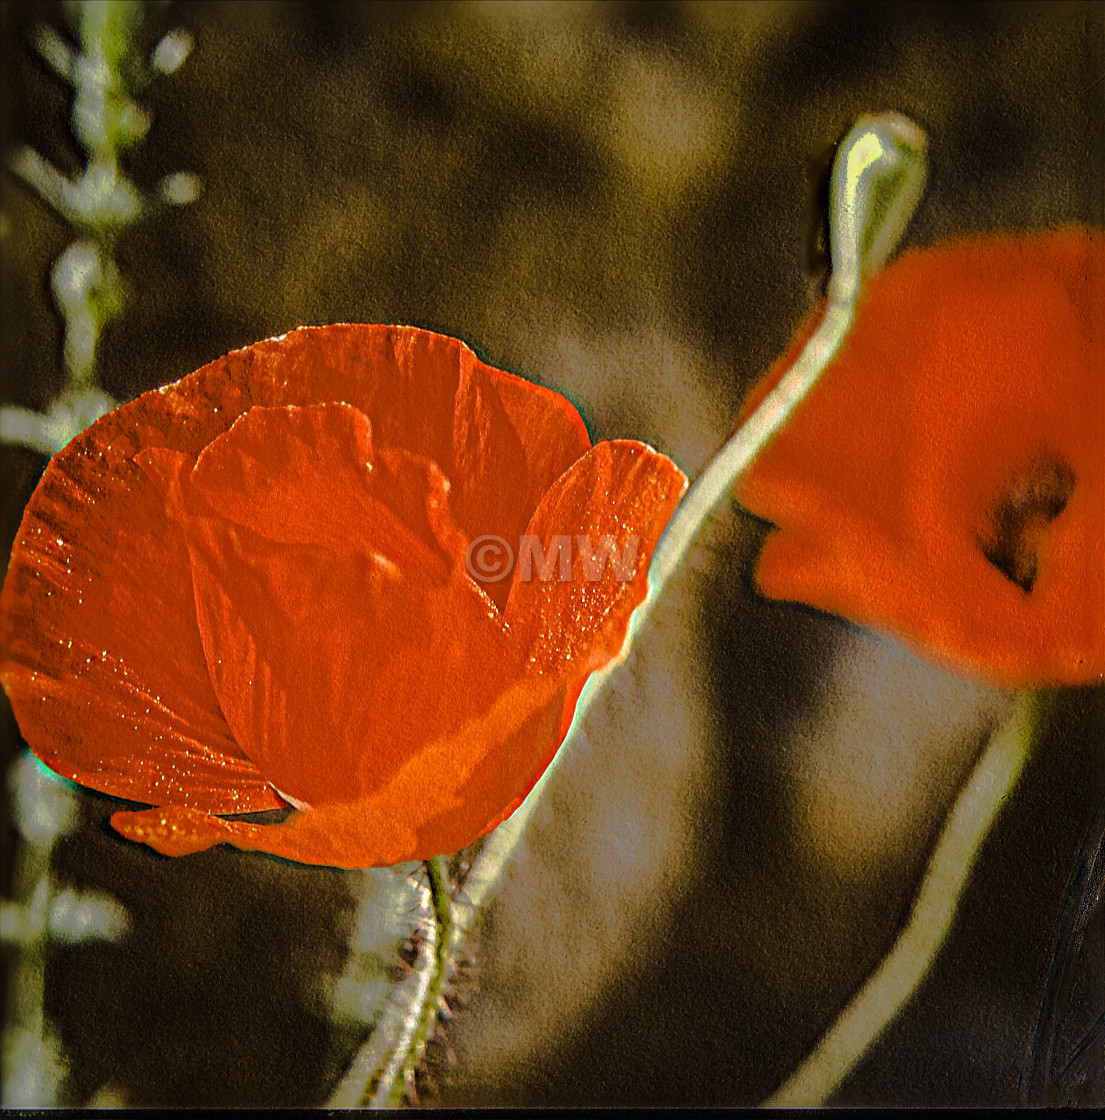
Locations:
877 180
898 977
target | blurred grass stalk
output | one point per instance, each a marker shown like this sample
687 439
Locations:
108 73
34 1066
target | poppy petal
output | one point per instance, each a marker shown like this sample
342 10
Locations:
319 626
425 394
951 489
605 515
549 427
534 448
101 656
288 524
310 475
438 801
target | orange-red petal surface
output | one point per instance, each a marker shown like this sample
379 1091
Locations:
425 394
101 656
438 801
253 581
607 512
920 475
337 643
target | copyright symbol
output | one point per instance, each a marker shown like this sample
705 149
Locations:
489 559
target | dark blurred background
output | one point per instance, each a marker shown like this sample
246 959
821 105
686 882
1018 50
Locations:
612 199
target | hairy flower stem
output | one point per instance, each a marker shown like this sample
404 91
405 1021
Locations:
442 901
878 178
894 982
418 1023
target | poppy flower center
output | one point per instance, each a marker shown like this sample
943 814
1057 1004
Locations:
1033 499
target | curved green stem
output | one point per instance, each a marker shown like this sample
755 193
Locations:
878 177
896 980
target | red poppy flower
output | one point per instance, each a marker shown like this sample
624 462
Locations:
249 589
943 481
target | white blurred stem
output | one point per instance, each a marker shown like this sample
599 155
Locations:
33 1066
68 416
20 427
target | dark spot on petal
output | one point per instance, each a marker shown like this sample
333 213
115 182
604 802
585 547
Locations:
1033 499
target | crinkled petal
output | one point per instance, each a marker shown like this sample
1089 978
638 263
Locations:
425 394
311 475
101 656
337 643
958 439
605 514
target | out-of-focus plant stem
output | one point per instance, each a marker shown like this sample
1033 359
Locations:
895 981
108 73
33 1065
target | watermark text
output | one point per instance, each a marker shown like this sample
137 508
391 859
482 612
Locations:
491 558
